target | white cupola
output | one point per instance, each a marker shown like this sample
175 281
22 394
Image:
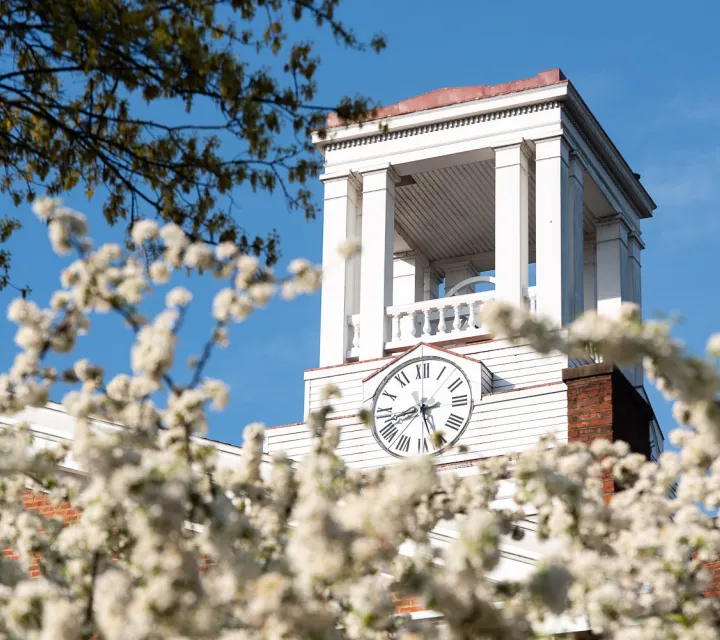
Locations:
509 191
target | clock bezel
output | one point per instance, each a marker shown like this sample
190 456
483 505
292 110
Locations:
393 372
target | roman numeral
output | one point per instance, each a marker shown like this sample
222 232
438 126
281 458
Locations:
423 370
459 401
389 431
389 395
455 385
403 444
454 421
384 412
441 372
422 445
402 378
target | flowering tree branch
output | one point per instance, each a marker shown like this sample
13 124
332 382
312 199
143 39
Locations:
168 544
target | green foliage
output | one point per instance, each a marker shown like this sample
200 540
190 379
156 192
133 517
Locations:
81 76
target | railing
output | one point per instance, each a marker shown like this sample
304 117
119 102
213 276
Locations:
432 320
436 320
531 298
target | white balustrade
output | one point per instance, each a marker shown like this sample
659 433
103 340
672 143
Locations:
354 333
437 320
532 299
432 320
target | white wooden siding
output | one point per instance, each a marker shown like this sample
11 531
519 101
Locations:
511 366
501 423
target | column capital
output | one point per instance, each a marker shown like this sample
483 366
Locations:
577 166
552 147
635 239
350 176
613 227
412 254
379 178
512 154
347 185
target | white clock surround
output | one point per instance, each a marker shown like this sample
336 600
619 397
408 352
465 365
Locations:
412 397
421 407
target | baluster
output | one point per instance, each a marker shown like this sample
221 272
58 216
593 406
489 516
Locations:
426 328
415 329
356 331
396 332
442 326
457 322
472 317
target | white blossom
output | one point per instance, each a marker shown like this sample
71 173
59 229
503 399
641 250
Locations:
173 236
261 292
178 297
199 256
144 230
160 272
349 248
226 250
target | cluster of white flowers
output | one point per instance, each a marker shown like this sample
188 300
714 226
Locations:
168 545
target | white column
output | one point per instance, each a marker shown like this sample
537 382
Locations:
408 277
590 275
635 246
456 272
340 277
577 284
553 231
431 286
511 223
376 262
612 265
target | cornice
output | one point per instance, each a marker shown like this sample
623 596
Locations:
592 133
441 126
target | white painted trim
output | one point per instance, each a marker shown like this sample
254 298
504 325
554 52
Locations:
443 114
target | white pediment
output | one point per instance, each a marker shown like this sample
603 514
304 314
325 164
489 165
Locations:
477 373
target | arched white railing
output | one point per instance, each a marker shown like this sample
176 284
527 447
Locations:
469 281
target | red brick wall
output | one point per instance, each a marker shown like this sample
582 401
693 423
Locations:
603 404
406 605
714 568
590 403
39 503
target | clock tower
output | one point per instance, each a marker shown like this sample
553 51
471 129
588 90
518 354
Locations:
459 196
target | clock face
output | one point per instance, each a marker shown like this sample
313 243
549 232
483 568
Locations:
421 407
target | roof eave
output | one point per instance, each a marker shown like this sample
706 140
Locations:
603 145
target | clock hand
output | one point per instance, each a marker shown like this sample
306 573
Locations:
402 415
427 429
406 427
427 426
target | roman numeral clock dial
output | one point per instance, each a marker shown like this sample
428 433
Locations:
421 407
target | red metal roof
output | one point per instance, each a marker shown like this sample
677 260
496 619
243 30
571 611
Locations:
457 95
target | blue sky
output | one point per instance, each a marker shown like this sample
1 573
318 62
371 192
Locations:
649 72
